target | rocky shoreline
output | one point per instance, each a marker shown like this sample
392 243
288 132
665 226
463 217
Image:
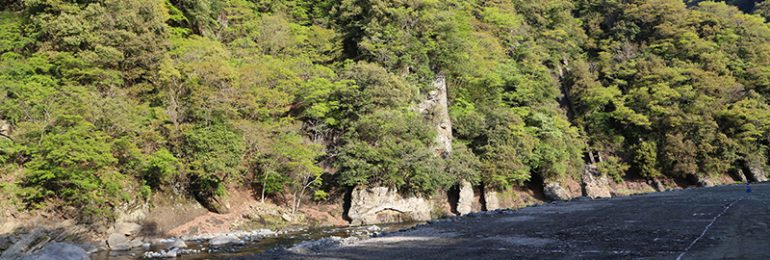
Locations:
655 225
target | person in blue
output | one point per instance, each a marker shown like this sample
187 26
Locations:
748 188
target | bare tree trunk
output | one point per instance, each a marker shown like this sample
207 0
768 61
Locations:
264 182
296 203
173 109
298 197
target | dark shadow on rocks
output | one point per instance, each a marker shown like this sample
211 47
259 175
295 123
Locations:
482 199
346 202
743 165
537 185
453 197
737 175
151 229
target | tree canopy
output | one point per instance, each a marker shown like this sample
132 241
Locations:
108 101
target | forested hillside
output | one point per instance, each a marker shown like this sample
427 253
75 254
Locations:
106 102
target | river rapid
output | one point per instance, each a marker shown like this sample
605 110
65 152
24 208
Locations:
200 249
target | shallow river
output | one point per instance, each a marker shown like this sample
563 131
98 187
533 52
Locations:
283 239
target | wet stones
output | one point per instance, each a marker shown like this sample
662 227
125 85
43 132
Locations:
317 245
220 241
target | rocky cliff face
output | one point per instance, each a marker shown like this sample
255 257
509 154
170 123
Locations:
436 109
595 185
383 205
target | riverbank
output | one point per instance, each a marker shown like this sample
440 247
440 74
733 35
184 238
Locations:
249 228
655 225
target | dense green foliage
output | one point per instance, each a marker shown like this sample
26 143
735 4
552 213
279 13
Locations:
111 98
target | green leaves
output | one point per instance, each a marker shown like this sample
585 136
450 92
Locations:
107 98
213 150
160 167
73 163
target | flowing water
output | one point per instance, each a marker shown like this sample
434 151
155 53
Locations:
284 239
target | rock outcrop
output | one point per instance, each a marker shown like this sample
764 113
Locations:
125 234
465 202
657 185
25 244
703 181
595 185
491 201
554 191
435 108
754 172
384 205
59 251
45 242
5 128
119 242
127 228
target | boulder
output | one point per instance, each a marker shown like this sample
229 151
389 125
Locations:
491 202
174 252
554 191
178 244
59 251
595 185
132 213
119 242
89 248
136 242
465 202
127 228
373 228
5 242
220 241
384 205
24 244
